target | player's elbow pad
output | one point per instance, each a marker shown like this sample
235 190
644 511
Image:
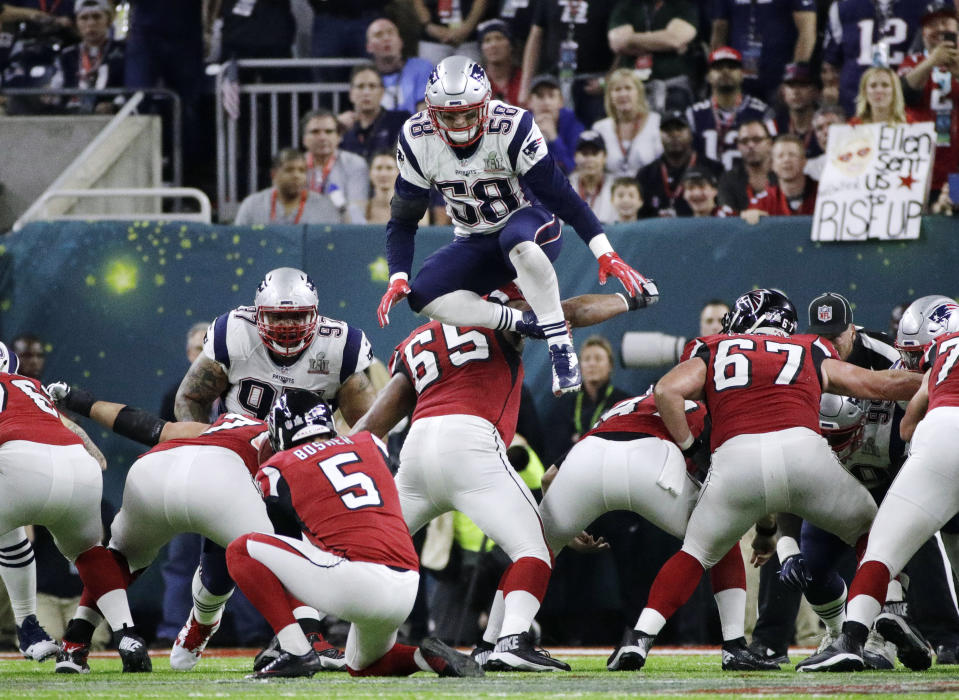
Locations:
139 425
408 210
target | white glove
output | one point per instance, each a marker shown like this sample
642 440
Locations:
57 391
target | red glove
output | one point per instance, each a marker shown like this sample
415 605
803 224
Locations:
397 291
610 264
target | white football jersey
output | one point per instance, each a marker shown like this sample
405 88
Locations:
481 191
337 352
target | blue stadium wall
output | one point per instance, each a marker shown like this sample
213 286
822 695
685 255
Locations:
113 300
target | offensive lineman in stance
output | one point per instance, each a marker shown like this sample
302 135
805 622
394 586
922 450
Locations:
341 546
491 163
762 461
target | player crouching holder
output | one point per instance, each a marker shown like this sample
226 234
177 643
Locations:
341 546
491 163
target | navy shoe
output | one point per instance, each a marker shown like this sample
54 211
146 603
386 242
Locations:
33 640
565 366
530 327
845 654
739 657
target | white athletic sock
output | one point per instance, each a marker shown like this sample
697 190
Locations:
863 609
650 622
18 569
207 607
293 640
88 615
519 609
305 612
116 609
894 591
495 622
536 278
732 612
833 613
465 308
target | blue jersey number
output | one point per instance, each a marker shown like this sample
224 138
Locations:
495 195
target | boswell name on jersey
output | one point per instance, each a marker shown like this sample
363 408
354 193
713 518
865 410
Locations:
484 184
337 351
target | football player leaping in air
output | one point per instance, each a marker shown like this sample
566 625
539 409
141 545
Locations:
490 162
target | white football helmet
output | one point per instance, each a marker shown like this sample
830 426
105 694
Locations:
842 422
9 362
923 320
457 85
286 311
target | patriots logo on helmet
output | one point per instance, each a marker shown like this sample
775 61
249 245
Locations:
824 313
530 149
942 313
477 72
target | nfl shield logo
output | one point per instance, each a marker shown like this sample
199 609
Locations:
824 313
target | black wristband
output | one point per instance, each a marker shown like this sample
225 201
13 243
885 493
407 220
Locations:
632 303
79 401
766 531
137 424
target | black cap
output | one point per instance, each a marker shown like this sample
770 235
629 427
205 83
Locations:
697 173
543 79
829 314
937 8
591 139
674 117
493 25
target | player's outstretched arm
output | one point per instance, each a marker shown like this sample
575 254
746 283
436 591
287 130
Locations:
203 383
840 377
355 397
394 402
684 381
915 410
88 443
134 423
410 202
590 309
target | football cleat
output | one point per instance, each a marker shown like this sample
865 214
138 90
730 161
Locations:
516 652
72 658
33 640
447 662
767 653
845 654
482 651
530 327
267 655
739 657
287 665
895 625
947 655
190 643
878 654
565 367
331 658
824 643
134 653
631 653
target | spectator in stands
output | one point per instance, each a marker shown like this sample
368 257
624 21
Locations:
590 179
862 34
825 117
656 38
288 201
32 354
258 30
369 127
631 131
716 120
768 35
880 99
931 85
752 173
799 94
383 172
627 200
660 180
449 28
404 79
96 62
794 193
55 19
339 31
559 124
340 175
829 77
699 194
496 47
711 317
584 24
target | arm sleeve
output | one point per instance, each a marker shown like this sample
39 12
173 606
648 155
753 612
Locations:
551 187
407 207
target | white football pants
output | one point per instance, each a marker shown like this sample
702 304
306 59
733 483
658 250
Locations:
57 486
786 471
459 463
192 488
924 495
646 476
373 597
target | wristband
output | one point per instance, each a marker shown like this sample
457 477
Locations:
766 531
632 303
600 245
79 401
399 276
786 547
687 443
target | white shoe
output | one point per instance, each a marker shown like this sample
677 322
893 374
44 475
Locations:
879 654
190 643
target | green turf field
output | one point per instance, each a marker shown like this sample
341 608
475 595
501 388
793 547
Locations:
665 675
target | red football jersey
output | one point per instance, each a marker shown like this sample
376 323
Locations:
938 97
471 371
941 358
239 434
26 413
762 383
639 415
343 496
